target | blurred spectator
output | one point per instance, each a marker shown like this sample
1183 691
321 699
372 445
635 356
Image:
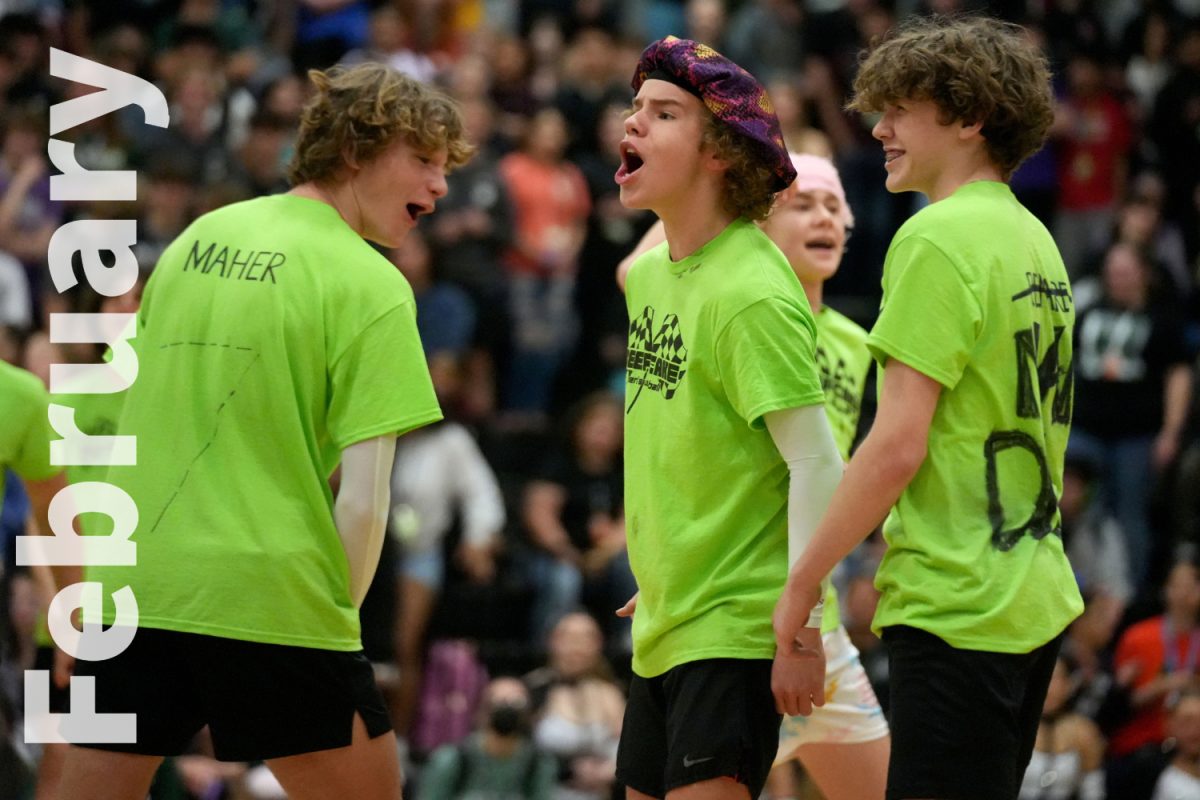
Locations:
498 761
551 205
589 84
612 232
1175 130
579 709
1157 659
512 89
389 42
471 230
1067 753
1181 778
574 512
1172 772
705 23
1093 139
167 206
1133 391
258 163
439 477
16 306
1094 541
28 217
1140 224
765 37
445 313
1149 65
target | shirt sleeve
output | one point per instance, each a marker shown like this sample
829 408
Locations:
766 355
930 318
380 383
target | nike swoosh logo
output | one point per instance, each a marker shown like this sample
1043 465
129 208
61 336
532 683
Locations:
691 762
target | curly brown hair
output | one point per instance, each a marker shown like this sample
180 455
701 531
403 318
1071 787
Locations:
359 112
975 69
747 190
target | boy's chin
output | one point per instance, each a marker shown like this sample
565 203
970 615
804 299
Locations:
630 199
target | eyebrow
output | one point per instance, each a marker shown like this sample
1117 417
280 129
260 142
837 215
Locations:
654 101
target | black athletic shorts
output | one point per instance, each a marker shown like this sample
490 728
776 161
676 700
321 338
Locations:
702 720
963 721
260 701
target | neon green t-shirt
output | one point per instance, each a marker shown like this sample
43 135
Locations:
716 340
25 434
843 360
270 338
975 296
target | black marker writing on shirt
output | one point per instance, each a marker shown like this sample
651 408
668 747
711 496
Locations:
1056 293
249 265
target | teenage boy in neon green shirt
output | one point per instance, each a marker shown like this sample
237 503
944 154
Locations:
966 452
728 452
273 344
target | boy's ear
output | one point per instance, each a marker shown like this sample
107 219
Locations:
968 130
713 162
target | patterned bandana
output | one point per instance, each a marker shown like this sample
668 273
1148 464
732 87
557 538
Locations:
731 94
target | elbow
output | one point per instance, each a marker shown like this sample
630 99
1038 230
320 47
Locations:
903 460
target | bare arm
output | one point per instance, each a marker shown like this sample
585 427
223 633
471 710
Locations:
653 237
541 513
40 494
878 473
1177 397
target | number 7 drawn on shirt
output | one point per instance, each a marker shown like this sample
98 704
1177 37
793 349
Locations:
217 416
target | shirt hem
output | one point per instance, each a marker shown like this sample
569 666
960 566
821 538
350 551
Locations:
644 671
261 637
399 428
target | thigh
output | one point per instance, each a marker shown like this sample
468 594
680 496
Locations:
365 769
271 701
106 775
956 719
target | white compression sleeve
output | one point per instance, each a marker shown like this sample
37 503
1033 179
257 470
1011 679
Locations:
805 441
361 510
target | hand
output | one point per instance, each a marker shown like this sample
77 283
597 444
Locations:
629 607
791 613
798 674
64 667
1166 447
477 562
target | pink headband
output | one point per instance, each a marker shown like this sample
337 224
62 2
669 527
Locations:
815 172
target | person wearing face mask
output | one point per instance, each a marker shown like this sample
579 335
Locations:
498 761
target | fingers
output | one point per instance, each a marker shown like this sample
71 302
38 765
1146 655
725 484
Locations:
629 607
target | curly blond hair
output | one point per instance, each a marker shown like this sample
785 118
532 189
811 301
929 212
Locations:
748 184
975 69
359 112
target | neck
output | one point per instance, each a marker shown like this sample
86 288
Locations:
1181 622
687 233
339 196
1188 762
499 746
976 169
594 463
814 290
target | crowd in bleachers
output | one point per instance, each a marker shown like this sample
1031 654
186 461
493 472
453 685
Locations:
507 552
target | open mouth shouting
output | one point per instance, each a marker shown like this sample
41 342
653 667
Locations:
415 210
820 244
631 162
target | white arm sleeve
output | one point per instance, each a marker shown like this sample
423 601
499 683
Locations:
361 510
805 441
